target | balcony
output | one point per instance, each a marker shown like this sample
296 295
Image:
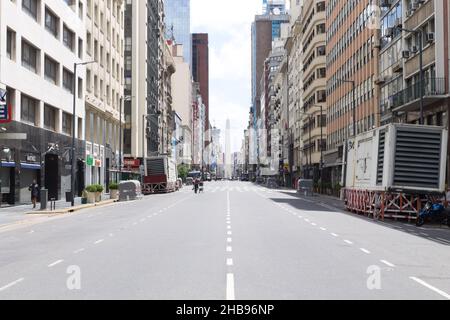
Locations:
408 99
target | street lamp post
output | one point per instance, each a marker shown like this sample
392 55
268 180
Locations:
72 169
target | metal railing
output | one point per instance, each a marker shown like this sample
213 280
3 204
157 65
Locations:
432 87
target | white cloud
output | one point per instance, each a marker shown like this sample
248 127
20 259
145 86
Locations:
228 23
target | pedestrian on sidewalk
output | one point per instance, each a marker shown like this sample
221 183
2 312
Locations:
34 188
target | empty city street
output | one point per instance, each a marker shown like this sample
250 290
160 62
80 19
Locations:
237 240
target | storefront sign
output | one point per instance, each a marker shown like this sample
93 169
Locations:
90 160
98 163
133 163
5 110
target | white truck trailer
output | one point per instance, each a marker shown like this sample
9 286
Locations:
160 175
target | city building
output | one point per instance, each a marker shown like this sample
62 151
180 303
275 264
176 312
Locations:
143 52
166 125
406 27
314 96
182 100
178 25
104 90
40 41
200 70
352 64
265 29
294 66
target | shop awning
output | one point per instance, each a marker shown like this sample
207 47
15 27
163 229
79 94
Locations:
7 164
31 166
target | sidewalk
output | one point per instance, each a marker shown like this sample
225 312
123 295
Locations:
18 213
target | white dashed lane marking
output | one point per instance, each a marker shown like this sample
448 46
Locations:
429 286
55 263
9 285
99 241
388 263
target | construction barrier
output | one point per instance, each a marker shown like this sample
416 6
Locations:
382 204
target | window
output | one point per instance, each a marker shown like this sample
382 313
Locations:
28 110
30 7
68 80
49 117
51 22
29 56
11 44
68 38
51 70
67 123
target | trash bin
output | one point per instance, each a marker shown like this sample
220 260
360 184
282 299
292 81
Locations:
69 196
44 199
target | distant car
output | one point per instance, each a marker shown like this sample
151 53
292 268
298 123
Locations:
189 181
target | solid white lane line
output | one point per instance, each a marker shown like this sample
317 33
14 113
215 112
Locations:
334 234
429 286
230 287
364 250
229 249
229 262
388 263
79 250
55 263
9 285
229 240
99 241
348 241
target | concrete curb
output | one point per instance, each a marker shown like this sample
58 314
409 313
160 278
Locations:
73 209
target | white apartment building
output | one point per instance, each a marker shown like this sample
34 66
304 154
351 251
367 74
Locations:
40 41
104 89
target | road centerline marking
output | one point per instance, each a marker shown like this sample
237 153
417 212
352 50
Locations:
230 287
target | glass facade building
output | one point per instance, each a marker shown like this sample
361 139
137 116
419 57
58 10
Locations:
178 24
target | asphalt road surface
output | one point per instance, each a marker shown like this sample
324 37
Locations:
236 240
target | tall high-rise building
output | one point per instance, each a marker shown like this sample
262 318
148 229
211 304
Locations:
265 29
200 69
143 50
178 25
352 59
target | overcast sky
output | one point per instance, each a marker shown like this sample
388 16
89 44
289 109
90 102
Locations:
228 23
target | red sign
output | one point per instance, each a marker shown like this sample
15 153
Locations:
133 163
